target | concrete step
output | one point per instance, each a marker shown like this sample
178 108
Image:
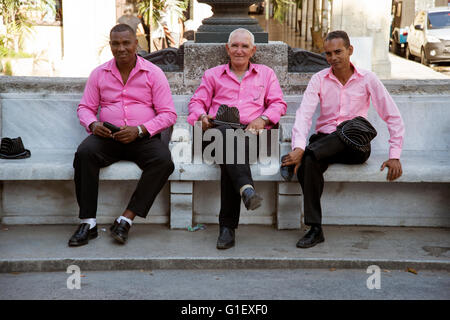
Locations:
43 248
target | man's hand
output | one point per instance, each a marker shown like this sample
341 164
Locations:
395 169
98 129
256 125
293 158
206 121
126 134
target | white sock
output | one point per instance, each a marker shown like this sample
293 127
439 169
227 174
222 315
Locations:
245 187
92 222
126 219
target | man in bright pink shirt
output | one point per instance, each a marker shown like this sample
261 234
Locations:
254 90
133 95
344 92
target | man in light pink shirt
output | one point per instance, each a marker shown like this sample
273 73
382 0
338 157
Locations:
133 95
254 90
344 92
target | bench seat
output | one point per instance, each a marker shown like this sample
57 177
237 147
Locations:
57 165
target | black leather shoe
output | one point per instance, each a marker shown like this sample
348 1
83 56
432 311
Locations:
119 231
287 172
113 226
313 237
83 235
251 199
226 238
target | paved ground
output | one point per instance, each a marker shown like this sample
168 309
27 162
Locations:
44 248
402 68
272 284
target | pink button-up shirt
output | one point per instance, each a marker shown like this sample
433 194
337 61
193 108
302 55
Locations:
258 93
344 102
144 100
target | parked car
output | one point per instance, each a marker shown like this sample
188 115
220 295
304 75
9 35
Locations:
402 17
429 36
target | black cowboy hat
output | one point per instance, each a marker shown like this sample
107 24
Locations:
229 116
357 133
13 149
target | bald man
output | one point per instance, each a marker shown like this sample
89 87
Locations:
254 90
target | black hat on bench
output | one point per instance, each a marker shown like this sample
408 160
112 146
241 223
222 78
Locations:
13 149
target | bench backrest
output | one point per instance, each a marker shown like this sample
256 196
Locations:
49 121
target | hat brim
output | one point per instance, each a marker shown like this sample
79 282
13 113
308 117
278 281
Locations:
22 155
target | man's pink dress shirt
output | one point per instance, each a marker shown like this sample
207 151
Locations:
344 102
258 94
144 100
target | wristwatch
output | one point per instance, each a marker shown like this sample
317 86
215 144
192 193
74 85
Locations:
264 118
141 133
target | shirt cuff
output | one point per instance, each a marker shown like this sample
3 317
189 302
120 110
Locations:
193 117
301 145
88 123
395 153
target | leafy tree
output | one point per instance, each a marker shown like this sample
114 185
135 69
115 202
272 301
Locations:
16 21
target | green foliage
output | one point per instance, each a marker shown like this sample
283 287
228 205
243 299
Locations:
280 8
8 68
155 8
8 53
15 14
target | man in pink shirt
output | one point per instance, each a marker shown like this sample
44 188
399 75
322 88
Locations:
344 92
134 95
254 90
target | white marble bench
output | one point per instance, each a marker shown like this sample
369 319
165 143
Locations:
40 189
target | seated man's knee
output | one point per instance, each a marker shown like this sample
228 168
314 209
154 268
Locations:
84 151
308 161
163 160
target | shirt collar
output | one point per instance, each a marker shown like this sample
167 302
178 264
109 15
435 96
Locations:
251 68
356 72
140 65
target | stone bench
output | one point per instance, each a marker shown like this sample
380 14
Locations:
41 189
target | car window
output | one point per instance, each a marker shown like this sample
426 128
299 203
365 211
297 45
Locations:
439 20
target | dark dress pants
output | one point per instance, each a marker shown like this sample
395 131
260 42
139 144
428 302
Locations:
323 150
150 154
233 177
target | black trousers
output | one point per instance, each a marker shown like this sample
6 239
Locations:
233 177
323 150
150 154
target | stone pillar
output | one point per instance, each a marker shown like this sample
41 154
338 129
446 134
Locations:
289 206
181 204
309 19
362 19
304 16
86 35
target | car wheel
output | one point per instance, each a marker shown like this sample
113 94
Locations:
397 49
408 54
423 58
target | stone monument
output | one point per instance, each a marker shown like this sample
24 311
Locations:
228 15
